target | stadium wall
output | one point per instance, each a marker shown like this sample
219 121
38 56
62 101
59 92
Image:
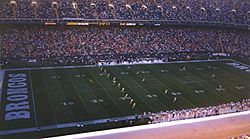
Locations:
216 127
124 23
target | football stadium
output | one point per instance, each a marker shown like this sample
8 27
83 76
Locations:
125 69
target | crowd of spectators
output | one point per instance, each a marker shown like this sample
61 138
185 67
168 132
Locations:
226 11
70 45
199 112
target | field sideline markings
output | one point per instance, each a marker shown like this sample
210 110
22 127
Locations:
241 63
150 126
33 99
73 124
119 130
80 97
1 84
92 66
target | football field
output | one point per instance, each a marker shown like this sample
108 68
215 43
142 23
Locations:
39 99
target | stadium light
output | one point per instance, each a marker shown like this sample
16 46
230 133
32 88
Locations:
111 6
33 3
128 6
233 10
217 9
188 8
54 4
13 2
174 7
203 9
74 4
144 7
92 4
159 7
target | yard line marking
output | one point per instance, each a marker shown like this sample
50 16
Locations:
33 99
90 90
151 126
188 101
64 96
119 130
77 91
1 84
241 63
47 89
121 64
73 124
133 91
106 92
159 81
14 131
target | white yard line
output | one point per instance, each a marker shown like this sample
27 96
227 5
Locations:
33 99
1 84
120 64
104 133
241 63
119 130
58 126
112 131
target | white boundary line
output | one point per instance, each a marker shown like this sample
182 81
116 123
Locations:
150 126
121 64
241 63
33 99
126 129
58 126
1 84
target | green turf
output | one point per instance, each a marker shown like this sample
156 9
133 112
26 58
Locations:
50 93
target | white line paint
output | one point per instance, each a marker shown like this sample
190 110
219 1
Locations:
241 63
1 84
33 99
58 126
91 66
150 126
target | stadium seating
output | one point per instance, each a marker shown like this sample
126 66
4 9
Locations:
62 45
225 11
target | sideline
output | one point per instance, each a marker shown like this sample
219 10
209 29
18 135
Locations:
75 124
118 130
150 126
1 84
240 63
120 64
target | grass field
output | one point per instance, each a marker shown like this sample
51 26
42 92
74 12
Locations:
69 95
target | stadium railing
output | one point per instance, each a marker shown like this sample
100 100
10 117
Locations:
63 21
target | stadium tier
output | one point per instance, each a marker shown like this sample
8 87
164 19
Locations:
225 11
41 46
74 66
